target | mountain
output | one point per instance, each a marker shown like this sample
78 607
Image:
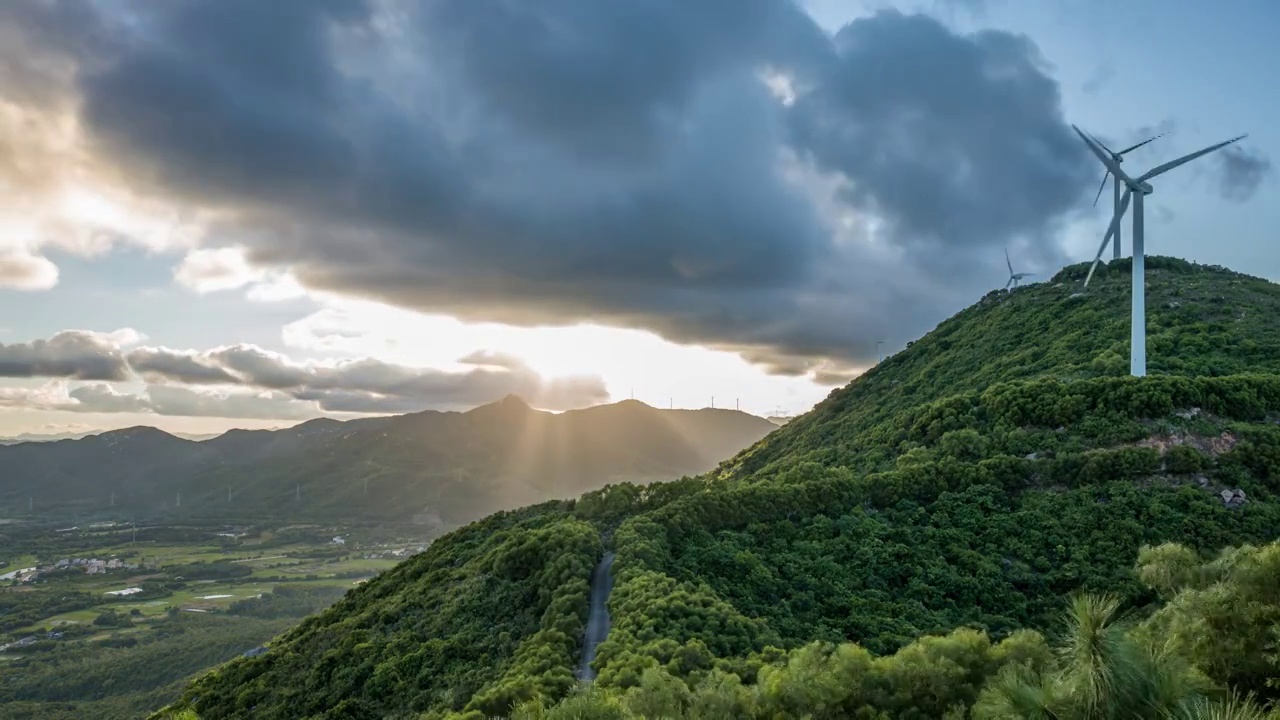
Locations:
39 437
53 437
439 467
896 552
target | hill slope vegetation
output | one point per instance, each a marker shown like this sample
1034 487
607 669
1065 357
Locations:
445 468
908 549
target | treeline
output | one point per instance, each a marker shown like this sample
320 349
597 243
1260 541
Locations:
285 601
1049 418
820 560
21 609
126 678
216 570
1209 652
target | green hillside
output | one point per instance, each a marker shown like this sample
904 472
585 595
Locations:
908 549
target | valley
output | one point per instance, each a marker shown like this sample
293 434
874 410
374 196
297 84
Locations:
108 620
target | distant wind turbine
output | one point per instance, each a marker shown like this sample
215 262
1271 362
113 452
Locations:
1136 189
1117 157
1014 278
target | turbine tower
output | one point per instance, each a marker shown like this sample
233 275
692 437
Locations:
1014 278
1136 189
1117 157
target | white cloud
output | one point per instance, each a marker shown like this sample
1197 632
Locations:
250 382
657 370
276 287
214 270
20 270
50 396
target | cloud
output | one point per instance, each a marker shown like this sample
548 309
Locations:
368 385
175 400
245 381
22 271
1243 172
211 270
1102 75
58 192
71 354
963 143
618 163
186 367
102 398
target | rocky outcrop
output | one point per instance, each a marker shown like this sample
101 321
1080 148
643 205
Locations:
1233 498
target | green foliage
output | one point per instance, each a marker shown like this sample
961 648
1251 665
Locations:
221 570
112 618
1185 459
1225 613
1104 667
101 681
286 601
485 617
1045 342
20 609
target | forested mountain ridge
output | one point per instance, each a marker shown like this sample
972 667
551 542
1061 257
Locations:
908 549
1201 321
448 467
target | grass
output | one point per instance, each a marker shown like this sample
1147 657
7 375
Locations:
17 563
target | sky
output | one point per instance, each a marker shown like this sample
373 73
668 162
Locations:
225 213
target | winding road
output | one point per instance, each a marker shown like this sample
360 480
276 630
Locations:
598 617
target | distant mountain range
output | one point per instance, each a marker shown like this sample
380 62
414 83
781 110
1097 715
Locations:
37 437
430 467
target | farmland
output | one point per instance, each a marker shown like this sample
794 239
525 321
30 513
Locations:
110 620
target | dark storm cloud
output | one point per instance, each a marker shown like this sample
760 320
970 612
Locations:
963 143
615 162
1243 171
71 354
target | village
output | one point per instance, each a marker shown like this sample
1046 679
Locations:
90 566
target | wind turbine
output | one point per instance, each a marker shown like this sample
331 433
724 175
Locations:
1014 278
1136 189
1117 157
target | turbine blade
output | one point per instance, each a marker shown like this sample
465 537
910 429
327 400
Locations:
1101 144
1101 188
1007 262
1159 169
1131 148
1102 154
1111 231
1006 285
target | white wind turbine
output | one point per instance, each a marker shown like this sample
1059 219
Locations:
1118 157
1136 189
1014 278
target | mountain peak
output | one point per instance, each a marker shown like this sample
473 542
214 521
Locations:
509 405
137 431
